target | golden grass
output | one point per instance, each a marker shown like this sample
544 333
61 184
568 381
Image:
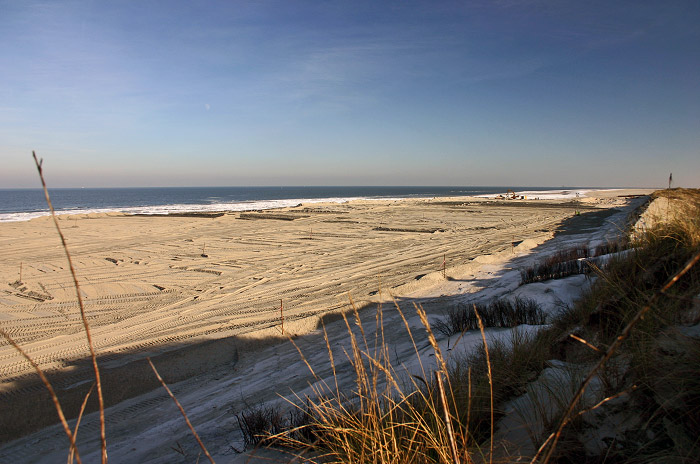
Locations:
388 418
488 365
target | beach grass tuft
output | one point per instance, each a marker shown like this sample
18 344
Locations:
579 259
498 313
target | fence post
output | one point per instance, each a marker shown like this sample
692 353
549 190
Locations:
282 315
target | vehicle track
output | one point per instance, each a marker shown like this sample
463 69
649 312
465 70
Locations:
309 263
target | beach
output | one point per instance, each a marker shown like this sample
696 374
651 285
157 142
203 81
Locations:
203 293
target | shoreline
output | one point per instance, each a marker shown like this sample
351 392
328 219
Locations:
264 205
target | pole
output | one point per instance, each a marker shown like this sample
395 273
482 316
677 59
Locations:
282 315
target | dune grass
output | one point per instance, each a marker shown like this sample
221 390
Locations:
445 413
625 336
636 314
389 417
571 261
498 313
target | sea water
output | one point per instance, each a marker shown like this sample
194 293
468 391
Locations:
25 204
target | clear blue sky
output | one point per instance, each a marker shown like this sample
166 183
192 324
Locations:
181 93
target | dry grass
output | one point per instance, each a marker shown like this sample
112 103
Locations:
182 411
616 337
633 315
388 418
445 417
612 350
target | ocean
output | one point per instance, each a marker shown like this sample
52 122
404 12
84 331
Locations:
25 204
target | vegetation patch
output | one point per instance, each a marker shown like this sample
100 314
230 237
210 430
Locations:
572 261
499 313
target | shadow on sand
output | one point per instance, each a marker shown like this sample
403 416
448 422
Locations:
27 407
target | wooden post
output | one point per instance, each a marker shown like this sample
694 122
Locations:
444 261
20 271
282 315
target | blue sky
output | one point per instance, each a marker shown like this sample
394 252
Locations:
185 93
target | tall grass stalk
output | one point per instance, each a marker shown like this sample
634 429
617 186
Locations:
86 325
488 364
77 423
182 411
448 418
388 417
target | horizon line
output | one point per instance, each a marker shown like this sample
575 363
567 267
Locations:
341 186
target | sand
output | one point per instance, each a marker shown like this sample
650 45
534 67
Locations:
197 293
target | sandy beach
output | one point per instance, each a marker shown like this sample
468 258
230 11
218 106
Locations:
196 293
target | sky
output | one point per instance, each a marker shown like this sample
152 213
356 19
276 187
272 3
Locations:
228 93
